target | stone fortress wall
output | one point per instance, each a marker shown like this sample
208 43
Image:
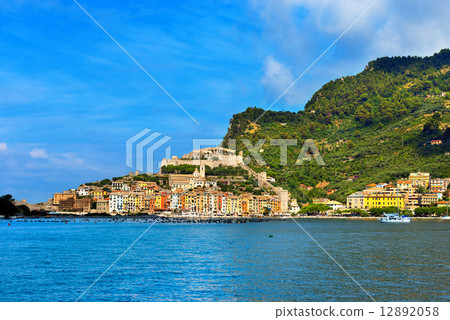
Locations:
212 157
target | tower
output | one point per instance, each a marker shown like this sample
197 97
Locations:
202 171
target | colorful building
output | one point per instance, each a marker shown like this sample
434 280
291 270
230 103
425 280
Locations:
420 179
383 200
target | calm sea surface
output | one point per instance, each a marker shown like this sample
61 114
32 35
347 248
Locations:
217 262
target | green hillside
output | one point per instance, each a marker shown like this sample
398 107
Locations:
375 126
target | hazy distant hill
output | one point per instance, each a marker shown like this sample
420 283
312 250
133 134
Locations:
376 125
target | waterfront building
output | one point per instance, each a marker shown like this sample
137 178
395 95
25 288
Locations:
149 203
275 206
66 205
81 205
412 200
442 203
175 200
294 207
132 202
355 200
283 196
383 200
58 197
234 205
102 206
116 202
428 198
162 201
334 205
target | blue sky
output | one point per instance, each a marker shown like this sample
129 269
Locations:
70 97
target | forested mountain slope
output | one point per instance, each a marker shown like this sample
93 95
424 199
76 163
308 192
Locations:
376 126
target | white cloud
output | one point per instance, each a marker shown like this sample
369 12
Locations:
3 146
300 30
277 78
38 153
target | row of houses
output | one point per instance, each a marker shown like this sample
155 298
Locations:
185 193
404 193
200 200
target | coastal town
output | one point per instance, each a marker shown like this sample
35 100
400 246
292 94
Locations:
198 193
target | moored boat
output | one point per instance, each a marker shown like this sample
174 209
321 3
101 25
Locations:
394 218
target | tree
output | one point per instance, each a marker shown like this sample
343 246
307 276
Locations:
314 209
7 197
432 124
7 208
446 135
421 190
24 210
377 212
364 114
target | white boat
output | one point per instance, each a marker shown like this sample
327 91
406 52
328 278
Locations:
394 218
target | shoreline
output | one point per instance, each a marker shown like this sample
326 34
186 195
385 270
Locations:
182 219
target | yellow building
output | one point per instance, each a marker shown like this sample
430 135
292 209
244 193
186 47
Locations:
404 184
158 201
99 194
189 201
132 202
383 200
420 179
234 205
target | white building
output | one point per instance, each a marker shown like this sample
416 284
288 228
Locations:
294 208
334 205
116 203
83 191
175 201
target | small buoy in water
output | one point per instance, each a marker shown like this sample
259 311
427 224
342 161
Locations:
66 222
270 236
9 224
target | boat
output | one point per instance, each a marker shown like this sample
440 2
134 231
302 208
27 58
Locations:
394 218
